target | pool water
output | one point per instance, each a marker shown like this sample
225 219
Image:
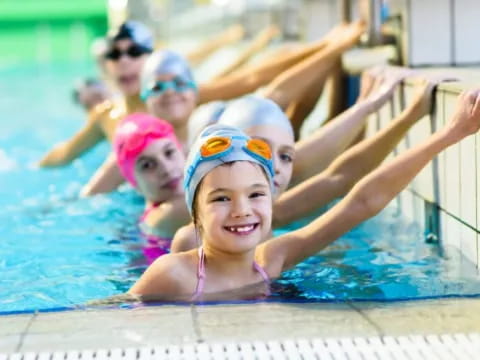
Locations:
59 251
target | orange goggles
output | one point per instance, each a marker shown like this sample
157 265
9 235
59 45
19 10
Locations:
219 145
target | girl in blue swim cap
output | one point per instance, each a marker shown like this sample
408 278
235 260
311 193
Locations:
229 192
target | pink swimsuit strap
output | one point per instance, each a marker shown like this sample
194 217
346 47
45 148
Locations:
148 210
201 274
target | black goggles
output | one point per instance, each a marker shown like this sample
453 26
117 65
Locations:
133 51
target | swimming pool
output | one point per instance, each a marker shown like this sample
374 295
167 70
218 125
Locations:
58 251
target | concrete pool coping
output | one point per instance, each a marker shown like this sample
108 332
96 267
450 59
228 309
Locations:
183 324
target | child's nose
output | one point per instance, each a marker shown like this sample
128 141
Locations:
241 208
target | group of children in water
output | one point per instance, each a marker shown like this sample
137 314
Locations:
218 175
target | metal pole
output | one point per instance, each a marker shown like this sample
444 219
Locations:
345 10
374 22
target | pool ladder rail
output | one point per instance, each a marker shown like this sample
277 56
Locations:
452 346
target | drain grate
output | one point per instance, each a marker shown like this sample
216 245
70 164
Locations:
458 346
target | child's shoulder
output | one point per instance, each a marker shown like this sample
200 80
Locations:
177 266
169 275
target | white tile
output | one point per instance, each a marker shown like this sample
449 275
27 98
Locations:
442 183
428 33
386 117
468 181
423 182
468 244
452 165
407 205
418 204
477 156
385 114
467 29
478 250
443 228
452 180
319 17
439 161
372 125
452 235
397 102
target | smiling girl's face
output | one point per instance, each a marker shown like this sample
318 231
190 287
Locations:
234 207
282 144
159 170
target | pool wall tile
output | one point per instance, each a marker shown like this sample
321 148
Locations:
439 123
453 232
477 192
373 124
423 182
126 327
468 243
468 174
452 165
408 204
425 45
385 116
466 15
451 180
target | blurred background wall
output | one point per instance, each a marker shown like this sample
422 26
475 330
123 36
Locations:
49 30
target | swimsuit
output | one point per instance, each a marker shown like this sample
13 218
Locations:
156 245
201 275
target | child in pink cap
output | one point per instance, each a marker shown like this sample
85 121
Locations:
151 159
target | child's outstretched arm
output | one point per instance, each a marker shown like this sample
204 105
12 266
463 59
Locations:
250 79
66 152
107 178
257 44
315 153
230 36
352 165
373 192
291 84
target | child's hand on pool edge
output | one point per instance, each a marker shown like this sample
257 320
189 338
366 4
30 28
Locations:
466 119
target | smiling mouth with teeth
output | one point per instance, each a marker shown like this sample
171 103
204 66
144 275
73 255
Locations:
242 229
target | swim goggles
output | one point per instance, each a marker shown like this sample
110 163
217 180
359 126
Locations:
133 51
220 146
177 84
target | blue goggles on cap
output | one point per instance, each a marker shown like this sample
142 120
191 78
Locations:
177 84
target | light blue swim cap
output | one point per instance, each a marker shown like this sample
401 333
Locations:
164 62
203 116
197 166
255 110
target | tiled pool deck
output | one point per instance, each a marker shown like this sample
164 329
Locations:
181 325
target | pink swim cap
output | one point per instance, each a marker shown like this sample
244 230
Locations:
134 133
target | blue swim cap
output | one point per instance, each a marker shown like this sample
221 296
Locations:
164 62
255 110
203 116
136 32
197 167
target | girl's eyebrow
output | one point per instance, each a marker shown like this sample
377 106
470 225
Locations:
287 148
218 190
